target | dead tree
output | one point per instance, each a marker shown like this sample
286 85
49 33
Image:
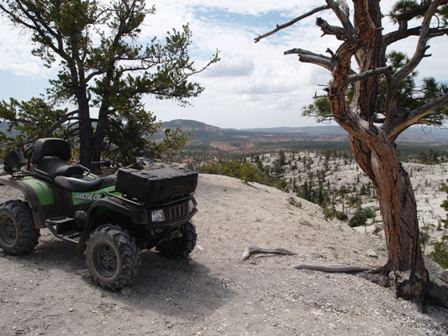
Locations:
373 139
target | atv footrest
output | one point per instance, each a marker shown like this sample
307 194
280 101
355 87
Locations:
58 221
54 223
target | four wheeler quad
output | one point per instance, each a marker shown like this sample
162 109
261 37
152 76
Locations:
109 218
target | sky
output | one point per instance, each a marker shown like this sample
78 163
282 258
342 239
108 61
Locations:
254 84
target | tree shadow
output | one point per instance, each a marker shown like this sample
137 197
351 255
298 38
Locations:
183 288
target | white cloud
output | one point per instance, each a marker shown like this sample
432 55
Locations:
231 67
254 85
15 52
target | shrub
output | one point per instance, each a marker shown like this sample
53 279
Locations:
331 213
440 253
360 217
247 172
250 173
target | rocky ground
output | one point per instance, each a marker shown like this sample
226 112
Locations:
214 293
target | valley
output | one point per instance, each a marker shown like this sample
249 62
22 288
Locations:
315 164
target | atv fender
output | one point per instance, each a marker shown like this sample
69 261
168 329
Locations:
30 188
136 213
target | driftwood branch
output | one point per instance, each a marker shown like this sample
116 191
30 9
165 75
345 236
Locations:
333 269
307 56
368 73
341 10
290 23
251 250
328 29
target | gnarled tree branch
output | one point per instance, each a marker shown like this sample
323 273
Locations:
341 10
414 117
328 29
368 73
290 23
402 34
418 11
307 56
421 44
394 80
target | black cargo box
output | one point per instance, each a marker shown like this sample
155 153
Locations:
155 185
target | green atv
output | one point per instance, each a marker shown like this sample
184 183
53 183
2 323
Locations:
109 218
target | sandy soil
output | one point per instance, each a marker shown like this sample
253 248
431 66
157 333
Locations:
214 293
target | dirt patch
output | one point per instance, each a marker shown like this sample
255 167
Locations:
213 293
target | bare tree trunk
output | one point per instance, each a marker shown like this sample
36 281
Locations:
85 133
399 213
98 138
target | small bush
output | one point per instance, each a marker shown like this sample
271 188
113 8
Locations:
440 253
247 172
360 217
250 173
331 213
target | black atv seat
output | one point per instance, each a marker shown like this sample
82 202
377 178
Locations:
53 166
80 185
50 156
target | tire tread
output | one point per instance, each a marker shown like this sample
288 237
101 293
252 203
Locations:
27 235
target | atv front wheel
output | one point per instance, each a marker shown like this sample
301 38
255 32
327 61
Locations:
112 257
18 235
179 247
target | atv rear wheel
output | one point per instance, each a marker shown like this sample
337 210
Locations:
18 235
179 247
112 257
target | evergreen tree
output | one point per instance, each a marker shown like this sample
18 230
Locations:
102 65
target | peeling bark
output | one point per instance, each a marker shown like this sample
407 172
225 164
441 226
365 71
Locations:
399 212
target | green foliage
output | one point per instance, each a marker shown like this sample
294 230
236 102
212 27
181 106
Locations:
431 156
247 172
281 159
319 109
331 213
424 236
314 192
103 65
278 183
361 216
440 253
250 173
30 120
444 204
410 96
170 146
128 134
402 7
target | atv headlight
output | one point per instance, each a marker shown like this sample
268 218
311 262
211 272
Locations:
191 206
158 216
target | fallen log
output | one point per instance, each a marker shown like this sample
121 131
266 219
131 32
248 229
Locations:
334 269
251 250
